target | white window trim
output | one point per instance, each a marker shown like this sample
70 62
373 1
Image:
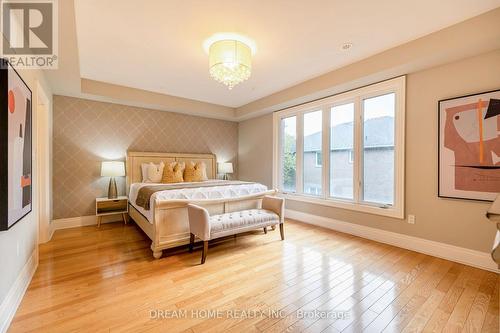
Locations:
397 86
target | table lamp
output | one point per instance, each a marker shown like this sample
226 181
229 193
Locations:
225 169
112 169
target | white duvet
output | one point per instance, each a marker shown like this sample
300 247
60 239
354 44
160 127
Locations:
194 193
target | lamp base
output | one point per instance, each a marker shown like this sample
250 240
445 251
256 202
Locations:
112 191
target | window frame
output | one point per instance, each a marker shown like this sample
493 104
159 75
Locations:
398 87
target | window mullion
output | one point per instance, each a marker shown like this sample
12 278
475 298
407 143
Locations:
300 153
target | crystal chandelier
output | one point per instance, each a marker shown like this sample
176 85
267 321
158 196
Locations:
230 60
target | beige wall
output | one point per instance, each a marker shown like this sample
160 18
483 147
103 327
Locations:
19 243
88 132
255 153
457 222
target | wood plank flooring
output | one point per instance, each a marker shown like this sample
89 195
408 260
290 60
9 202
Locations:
317 280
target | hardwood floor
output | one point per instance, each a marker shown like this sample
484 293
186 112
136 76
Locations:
92 280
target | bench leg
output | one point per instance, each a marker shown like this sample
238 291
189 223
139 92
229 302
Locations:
157 254
282 231
191 243
265 230
204 253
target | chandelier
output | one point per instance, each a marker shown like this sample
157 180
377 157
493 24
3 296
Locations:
230 59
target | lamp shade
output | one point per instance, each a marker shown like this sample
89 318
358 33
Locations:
225 168
112 169
230 62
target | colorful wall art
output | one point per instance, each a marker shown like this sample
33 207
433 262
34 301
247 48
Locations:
15 147
469 146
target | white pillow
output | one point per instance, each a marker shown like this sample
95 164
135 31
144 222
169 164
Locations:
152 173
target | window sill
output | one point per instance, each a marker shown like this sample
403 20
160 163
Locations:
364 208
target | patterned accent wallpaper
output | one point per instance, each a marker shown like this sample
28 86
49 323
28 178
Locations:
88 132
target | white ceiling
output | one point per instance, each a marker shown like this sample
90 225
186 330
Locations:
156 45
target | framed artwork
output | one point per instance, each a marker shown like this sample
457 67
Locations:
469 146
15 147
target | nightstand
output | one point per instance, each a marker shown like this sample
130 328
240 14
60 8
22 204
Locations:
105 206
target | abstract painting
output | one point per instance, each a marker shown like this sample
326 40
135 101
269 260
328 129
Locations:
469 146
15 147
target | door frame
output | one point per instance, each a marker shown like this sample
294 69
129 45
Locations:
43 163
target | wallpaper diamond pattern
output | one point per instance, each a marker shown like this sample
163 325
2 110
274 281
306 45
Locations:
88 132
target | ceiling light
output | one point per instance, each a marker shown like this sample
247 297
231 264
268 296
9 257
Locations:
230 58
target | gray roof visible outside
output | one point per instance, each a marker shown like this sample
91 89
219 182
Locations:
378 132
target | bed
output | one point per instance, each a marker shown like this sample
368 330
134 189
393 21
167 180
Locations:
166 221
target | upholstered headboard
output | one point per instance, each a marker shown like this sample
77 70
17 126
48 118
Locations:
135 159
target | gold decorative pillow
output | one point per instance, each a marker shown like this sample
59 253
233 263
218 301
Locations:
195 172
173 172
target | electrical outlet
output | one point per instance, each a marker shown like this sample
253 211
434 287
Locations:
411 219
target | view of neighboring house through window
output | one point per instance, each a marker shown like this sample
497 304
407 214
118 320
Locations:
341 146
351 156
312 143
378 149
319 159
288 154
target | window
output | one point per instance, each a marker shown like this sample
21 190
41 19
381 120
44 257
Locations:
288 154
341 145
345 151
319 160
378 149
313 176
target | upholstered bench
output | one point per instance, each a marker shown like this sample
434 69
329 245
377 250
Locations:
208 227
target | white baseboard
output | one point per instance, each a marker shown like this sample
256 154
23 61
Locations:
52 230
82 221
15 294
458 254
